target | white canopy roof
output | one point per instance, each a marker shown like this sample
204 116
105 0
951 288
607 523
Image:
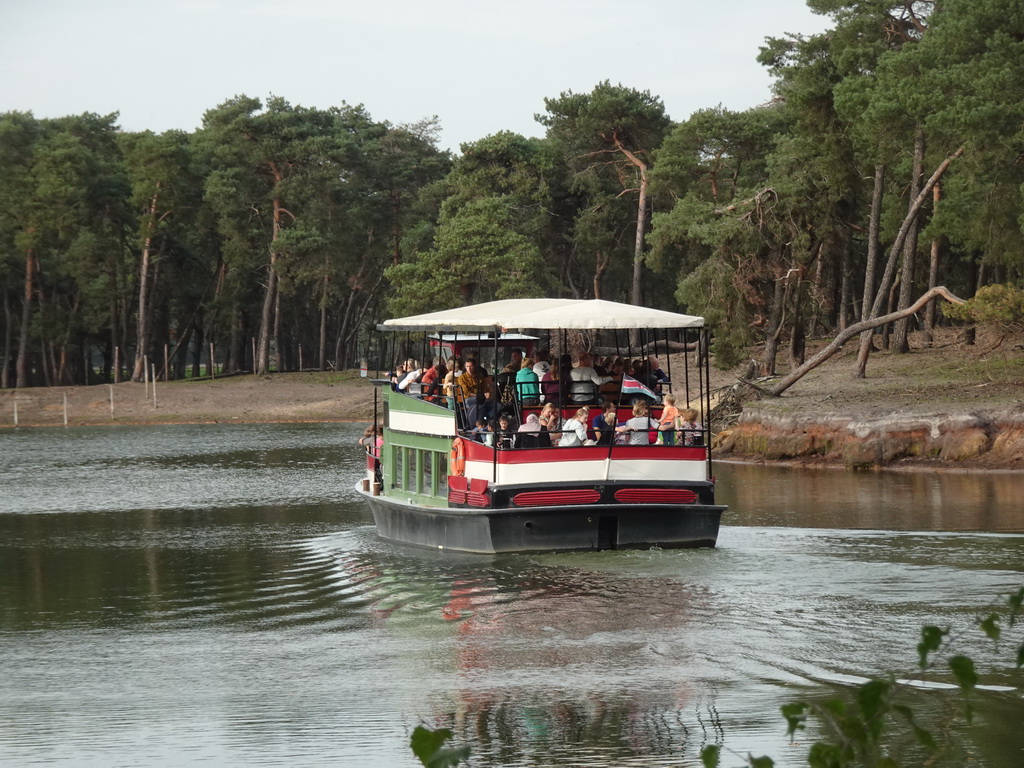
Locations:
549 314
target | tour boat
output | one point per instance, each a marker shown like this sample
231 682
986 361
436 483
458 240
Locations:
431 482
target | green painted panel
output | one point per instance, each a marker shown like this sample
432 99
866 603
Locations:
423 442
399 402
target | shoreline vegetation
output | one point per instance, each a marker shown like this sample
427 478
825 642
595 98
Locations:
943 405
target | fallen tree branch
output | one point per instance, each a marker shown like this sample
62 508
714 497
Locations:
853 330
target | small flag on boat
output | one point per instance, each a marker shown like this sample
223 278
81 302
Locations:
631 387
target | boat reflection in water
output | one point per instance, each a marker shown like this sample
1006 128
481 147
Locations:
536 665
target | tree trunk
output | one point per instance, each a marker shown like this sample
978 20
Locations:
282 362
798 335
5 371
322 347
845 300
599 270
343 330
874 246
817 293
21 364
901 334
142 328
865 325
977 280
240 348
776 318
890 268
641 222
890 307
267 316
198 344
179 361
266 319
933 271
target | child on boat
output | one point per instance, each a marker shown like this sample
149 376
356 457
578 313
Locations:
481 432
639 427
506 432
667 423
604 424
689 428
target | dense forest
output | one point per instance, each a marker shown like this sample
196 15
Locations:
890 159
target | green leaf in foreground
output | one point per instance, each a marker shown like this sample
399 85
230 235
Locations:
710 755
931 639
990 626
428 746
796 717
966 678
873 700
924 738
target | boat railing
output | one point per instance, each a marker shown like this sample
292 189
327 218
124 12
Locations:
465 411
527 441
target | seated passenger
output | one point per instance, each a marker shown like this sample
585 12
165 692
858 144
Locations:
504 435
550 386
543 364
474 392
412 376
550 421
639 427
603 425
506 383
529 433
585 380
396 376
527 384
690 430
482 433
657 374
641 372
431 381
453 370
574 430
613 387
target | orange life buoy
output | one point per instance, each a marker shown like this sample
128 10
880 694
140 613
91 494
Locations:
457 463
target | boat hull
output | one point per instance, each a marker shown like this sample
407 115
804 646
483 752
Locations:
549 528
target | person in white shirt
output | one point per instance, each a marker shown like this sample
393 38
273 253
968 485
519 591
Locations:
585 381
411 377
574 430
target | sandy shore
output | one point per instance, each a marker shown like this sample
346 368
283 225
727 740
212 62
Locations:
277 398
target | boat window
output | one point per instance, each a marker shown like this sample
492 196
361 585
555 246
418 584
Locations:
426 460
441 464
399 467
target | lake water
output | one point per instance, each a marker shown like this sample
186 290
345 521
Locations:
218 595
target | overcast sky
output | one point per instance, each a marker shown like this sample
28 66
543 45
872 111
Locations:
480 66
